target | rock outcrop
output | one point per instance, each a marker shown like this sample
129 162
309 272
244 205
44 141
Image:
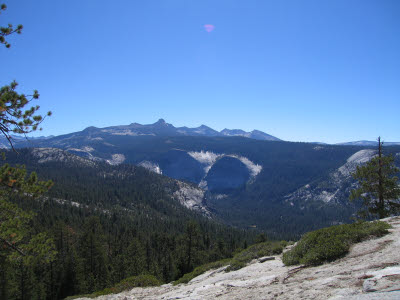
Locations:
371 270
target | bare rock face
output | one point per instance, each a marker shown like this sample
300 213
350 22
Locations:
337 185
387 279
151 166
371 270
116 159
45 155
191 197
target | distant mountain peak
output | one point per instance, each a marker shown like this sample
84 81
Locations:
227 131
160 121
204 126
255 134
89 129
162 128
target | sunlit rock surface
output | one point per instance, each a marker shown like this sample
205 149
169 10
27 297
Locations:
337 185
371 270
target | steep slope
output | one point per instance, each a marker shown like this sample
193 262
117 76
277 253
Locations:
104 185
109 222
170 156
371 270
336 187
320 201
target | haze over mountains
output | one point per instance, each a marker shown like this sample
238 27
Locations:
244 178
162 128
368 143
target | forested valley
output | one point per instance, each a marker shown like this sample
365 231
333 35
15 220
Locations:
92 208
107 223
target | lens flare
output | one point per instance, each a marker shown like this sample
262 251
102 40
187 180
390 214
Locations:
209 27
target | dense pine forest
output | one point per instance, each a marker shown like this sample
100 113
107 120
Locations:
107 223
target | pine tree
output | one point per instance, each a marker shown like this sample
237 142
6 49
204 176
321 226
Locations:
192 234
21 249
8 30
378 185
15 116
93 256
136 257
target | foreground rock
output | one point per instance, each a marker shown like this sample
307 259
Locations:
370 271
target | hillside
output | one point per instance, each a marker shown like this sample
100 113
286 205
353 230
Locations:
108 222
371 270
104 186
282 188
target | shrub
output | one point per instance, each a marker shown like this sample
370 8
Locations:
202 269
328 244
126 284
238 261
136 281
255 251
235 265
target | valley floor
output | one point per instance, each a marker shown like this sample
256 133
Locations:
370 271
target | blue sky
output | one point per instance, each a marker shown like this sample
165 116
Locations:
319 70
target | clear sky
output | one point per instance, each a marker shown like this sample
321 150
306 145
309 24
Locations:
318 70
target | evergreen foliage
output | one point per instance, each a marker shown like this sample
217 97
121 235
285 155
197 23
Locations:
328 244
238 261
24 252
125 285
7 30
202 269
15 116
379 187
255 251
109 223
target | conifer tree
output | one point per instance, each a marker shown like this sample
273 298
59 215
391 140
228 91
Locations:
17 118
20 247
15 115
378 185
8 30
136 257
93 256
191 240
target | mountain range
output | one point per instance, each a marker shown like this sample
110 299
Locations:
162 128
283 188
